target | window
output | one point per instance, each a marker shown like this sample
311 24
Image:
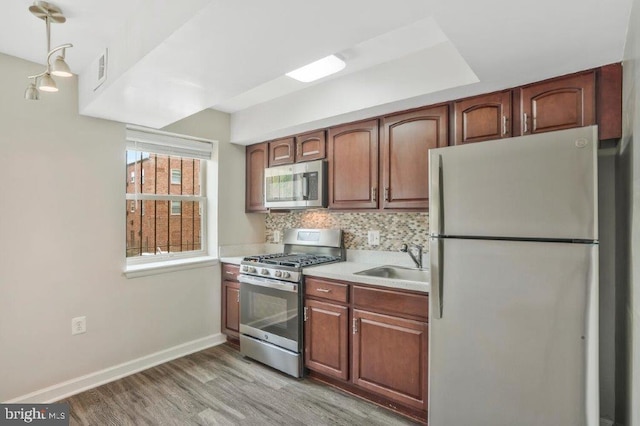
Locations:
176 176
165 220
176 207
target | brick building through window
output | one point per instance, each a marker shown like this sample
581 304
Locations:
163 216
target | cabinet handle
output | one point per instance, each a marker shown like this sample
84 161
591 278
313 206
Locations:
305 314
228 272
374 193
526 125
355 325
504 125
386 194
238 297
324 290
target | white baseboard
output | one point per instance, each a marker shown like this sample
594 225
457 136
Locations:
92 380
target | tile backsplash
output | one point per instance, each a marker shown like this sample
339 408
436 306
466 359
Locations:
395 228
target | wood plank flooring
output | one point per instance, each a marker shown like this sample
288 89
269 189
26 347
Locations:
218 386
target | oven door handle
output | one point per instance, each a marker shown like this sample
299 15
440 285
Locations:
266 282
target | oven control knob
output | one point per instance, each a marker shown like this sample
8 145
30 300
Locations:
245 268
251 269
278 274
285 274
264 271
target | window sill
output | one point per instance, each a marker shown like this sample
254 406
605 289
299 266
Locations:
154 268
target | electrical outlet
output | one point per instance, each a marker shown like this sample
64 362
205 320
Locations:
78 325
276 236
374 238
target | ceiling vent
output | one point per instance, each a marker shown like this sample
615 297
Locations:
99 70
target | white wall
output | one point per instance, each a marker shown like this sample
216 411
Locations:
629 185
62 242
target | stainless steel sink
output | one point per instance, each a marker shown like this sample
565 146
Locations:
397 272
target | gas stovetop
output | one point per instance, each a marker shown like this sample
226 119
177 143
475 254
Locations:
303 247
293 260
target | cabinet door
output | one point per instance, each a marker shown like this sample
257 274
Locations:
558 104
390 357
231 308
281 151
311 146
257 161
353 166
406 140
483 118
326 338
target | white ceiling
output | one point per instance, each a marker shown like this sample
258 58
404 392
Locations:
168 60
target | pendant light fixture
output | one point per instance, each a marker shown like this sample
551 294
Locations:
48 13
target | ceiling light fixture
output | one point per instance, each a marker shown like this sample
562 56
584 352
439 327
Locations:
48 13
318 69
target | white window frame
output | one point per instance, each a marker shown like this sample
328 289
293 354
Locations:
179 204
164 143
177 175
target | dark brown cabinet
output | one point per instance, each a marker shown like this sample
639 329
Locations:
353 166
230 301
281 152
390 357
369 340
311 146
483 117
326 342
257 159
557 104
406 141
326 327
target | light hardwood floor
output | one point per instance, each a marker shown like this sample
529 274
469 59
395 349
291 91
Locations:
218 386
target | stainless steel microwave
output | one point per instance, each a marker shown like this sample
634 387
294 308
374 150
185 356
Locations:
296 186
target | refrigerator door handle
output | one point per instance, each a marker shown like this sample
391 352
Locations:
436 256
436 207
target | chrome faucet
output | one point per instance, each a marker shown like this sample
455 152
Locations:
416 259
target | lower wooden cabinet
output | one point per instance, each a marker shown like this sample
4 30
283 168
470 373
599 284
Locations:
390 357
326 343
230 302
368 340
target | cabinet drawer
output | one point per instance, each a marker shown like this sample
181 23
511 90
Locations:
391 302
326 289
230 272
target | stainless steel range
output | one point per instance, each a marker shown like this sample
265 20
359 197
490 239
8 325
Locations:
271 296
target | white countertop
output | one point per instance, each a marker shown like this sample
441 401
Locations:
345 271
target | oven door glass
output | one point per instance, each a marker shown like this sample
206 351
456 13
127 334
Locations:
269 311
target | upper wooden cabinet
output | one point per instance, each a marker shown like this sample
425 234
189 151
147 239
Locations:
306 147
311 146
281 152
557 104
257 157
483 117
406 141
353 166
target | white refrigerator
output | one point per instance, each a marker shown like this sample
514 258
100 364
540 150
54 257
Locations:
514 282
